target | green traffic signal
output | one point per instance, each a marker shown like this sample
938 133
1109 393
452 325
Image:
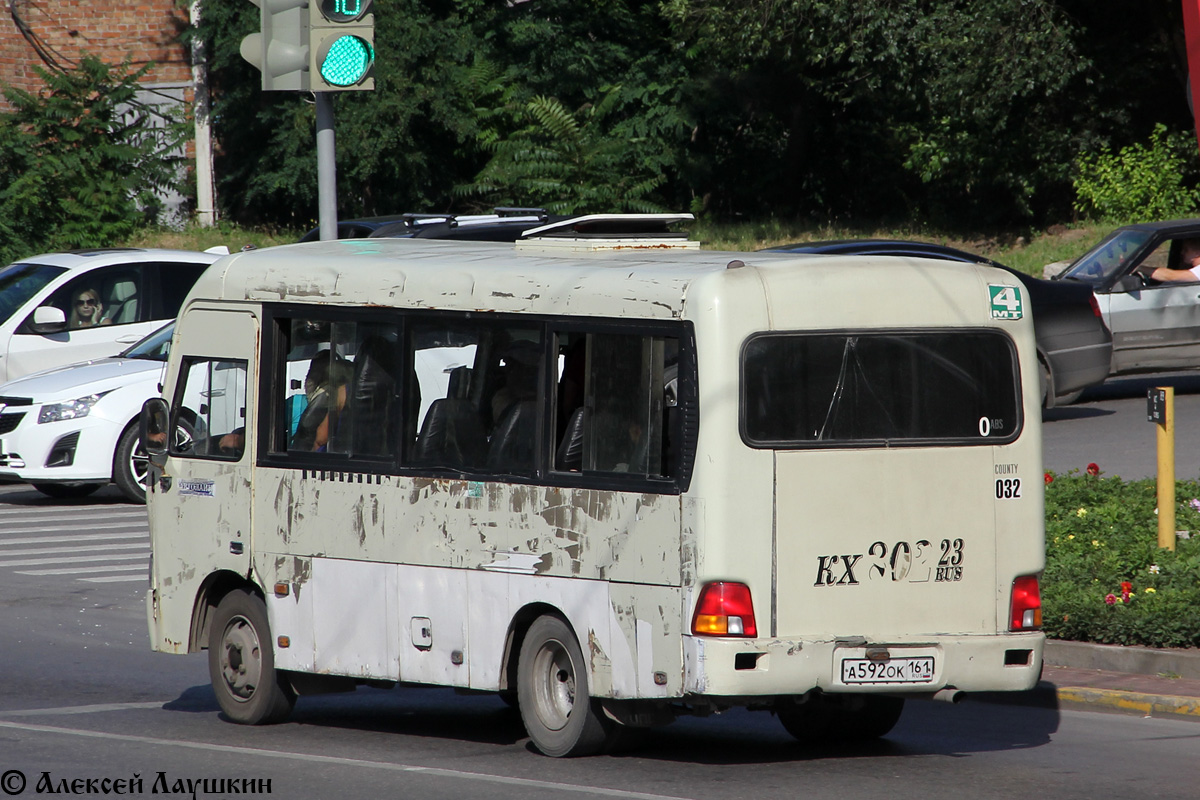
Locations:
346 61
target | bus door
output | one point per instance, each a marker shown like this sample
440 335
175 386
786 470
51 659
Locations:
208 466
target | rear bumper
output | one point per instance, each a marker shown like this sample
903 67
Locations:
778 667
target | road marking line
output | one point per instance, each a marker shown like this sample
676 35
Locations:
34 562
61 528
96 537
50 551
79 570
125 510
92 709
311 758
145 578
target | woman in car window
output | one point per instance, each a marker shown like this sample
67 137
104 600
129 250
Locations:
87 309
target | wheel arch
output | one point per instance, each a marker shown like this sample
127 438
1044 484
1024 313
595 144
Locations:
208 597
517 628
133 423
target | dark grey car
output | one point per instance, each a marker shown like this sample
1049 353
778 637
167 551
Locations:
1073 342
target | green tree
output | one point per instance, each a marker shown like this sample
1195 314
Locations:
869 107
565 162
80 161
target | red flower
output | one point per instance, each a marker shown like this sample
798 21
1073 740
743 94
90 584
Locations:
1111 599
1093 469
1049 478
1126 586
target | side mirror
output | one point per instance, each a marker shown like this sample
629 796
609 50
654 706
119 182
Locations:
155 422
1129 283
48 319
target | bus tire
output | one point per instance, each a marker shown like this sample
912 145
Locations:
560 716
241 663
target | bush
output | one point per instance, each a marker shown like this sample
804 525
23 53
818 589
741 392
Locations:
1106 579
1140 182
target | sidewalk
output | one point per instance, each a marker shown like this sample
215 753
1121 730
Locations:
1131 680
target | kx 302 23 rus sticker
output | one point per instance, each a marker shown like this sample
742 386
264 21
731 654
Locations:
916 562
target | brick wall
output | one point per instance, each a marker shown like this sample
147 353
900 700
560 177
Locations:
145 30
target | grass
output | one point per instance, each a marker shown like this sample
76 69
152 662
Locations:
1028 253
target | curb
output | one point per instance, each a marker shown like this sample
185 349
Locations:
1129 702
1119 658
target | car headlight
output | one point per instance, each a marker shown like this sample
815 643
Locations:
72 409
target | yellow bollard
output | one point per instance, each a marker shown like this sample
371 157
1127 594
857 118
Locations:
1166 465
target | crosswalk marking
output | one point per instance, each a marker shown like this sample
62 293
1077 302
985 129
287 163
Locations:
33 562
96 537
96 544
82 570
118 579
55 528
49 551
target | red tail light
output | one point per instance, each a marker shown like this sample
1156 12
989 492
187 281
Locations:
1095 304
724 609
1026 604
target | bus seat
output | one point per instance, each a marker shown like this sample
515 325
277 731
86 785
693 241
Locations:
569 456
511 448
451 435
372 390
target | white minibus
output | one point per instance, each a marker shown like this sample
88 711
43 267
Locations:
614 479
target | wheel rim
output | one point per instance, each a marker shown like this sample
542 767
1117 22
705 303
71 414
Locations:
139 460
554 687
241 658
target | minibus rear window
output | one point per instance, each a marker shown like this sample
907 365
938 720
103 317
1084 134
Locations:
881 388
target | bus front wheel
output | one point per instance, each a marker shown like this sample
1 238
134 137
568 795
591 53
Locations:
560 716
241 663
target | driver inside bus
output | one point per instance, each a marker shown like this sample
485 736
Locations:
316 388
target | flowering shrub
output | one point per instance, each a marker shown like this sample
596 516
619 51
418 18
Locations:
1106 579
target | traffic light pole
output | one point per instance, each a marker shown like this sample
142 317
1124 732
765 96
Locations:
326 168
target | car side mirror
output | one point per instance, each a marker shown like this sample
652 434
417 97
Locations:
1129 283
48 319
155 422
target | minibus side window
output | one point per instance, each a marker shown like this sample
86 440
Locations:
341 383
210 404
616 403
480 395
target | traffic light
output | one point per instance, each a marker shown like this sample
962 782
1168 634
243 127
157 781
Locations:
341 45
280 51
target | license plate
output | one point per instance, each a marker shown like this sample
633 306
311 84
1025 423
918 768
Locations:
916 669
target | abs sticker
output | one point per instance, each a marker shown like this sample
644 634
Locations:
1006 302
196 488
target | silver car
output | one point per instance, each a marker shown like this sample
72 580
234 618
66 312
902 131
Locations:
1155 325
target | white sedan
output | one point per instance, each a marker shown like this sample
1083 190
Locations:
70 430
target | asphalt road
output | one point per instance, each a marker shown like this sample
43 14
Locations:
1108 427
82 698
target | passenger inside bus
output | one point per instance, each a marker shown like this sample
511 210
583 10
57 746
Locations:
316 388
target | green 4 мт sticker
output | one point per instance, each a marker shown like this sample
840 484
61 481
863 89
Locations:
1006 302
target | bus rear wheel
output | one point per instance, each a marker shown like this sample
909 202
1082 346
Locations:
842 718
560 716
241 663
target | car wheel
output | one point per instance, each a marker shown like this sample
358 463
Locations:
131 464
241 663
552 693
1067 399
66 491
